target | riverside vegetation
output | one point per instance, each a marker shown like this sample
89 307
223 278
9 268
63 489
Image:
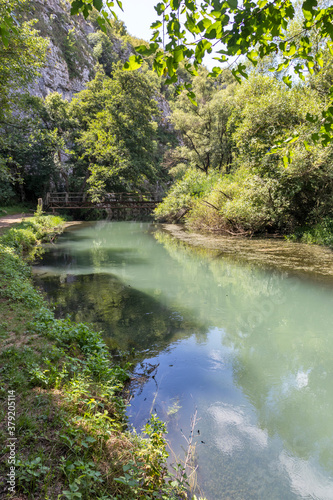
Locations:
70 424
243 159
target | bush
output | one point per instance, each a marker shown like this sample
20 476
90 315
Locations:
20 239
320 234
183 193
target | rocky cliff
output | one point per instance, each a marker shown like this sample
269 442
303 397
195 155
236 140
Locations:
72 53
75 46
70 61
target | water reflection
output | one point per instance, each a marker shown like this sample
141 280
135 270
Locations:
129 319
251 349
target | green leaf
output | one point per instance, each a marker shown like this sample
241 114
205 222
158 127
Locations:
142 49
308 9
291 51
102 23
311 118
319 59
202 47
98 4
178 54
232 4
155 25
253 56
215 71
287 80
191 96
75 7
160 8
204 24
174 4
133 63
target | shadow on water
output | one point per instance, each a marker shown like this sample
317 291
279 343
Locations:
130 320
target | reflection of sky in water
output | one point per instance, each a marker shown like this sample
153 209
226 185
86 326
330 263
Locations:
305 480
255 360
231 429
298 381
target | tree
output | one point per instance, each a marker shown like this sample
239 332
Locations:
206 141
22 54
253 29
117 131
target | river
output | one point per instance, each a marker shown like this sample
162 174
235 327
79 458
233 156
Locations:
238 335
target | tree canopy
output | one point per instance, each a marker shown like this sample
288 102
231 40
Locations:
186 31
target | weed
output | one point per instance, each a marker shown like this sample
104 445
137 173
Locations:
29 473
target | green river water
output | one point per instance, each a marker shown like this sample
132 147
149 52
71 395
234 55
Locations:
239 334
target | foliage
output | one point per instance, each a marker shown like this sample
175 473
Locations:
183 193
29 473
108 138
31 231
103 51
254 29
118 135
148 472
263 189
206 141
22 53
320 234
256 141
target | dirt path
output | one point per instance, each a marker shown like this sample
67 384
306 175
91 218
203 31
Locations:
9 220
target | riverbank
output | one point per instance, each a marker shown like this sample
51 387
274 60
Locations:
63 425
297 258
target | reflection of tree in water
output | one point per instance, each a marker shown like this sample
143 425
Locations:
130 319
280 329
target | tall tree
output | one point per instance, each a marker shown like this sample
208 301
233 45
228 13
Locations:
206 140
118 134
22 54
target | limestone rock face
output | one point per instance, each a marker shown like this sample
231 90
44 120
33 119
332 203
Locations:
70 61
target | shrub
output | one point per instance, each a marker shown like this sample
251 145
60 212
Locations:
184 192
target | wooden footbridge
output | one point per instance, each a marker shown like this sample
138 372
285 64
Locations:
117 205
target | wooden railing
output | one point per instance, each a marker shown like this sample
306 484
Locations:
115 200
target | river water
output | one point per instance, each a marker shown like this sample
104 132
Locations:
243 345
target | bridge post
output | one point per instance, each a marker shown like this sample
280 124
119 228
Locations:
47 199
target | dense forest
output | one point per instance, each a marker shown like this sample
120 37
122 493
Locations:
240 158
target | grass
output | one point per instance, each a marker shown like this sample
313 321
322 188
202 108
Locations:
16 209
61 398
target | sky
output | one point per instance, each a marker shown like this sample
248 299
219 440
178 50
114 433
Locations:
138 15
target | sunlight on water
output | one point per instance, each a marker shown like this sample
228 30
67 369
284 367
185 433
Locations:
247 346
